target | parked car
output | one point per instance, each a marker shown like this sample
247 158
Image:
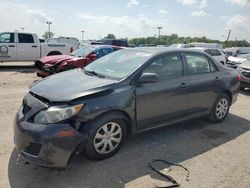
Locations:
228 54
20 46
53 64
244 70
72 41
123 93
216 53
179 46
115 42
206 45
234 62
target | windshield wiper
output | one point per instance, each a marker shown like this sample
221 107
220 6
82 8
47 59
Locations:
94 73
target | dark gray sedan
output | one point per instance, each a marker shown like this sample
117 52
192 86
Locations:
126 92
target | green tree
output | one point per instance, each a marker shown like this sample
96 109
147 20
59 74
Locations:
48 35
110 36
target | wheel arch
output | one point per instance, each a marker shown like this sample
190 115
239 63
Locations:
54 53
229 94
119 114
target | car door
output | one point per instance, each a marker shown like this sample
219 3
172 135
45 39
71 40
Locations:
204 82
27 49
165 100
7 47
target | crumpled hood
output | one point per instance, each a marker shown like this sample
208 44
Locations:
236 59
69 85
58 58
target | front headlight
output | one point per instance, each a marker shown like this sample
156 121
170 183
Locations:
47 68
57 113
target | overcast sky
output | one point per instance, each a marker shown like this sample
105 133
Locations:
129 18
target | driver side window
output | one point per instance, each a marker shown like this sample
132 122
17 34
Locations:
166 67
7 38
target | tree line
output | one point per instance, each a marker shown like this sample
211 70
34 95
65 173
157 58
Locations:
174 39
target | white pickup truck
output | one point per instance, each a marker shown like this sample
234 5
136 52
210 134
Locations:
20 46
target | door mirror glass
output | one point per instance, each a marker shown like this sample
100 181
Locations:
148 78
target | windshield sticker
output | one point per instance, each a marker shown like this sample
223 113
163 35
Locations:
146 54
4 50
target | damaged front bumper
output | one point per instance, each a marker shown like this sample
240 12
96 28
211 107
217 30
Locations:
45 145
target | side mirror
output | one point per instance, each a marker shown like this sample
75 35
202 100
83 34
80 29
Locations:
148 78
92 56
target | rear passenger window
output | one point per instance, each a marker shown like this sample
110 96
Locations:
198 64
166 67
25 38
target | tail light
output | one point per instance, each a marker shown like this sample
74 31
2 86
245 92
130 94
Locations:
238 77
71 49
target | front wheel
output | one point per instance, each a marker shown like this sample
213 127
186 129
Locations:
106 138
220 109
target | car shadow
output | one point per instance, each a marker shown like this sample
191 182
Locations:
20 68
246 91
175 143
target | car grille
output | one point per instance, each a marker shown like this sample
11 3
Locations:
33 149
26 108
246 74
39 65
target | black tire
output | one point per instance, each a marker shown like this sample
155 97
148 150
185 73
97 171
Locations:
242 88
96 126
213 116
54 53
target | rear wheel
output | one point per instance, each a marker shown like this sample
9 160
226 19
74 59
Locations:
106 136
220 109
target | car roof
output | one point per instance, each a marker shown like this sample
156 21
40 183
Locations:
101 46
160 50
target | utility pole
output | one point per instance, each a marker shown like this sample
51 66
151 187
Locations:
159 28
82 35
49 23
229 33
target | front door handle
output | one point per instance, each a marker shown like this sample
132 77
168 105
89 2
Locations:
34 46
183 85
11 46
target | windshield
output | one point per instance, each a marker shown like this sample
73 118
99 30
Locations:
83 52
118 64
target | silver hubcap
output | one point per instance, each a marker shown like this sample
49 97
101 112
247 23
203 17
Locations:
221 108
107 138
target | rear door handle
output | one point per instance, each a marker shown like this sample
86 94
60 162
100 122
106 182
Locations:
183 85
217 78
11 46
34 46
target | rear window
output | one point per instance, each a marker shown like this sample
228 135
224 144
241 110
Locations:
213 52
25 38
198 64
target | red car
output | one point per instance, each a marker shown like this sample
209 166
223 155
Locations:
80 58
